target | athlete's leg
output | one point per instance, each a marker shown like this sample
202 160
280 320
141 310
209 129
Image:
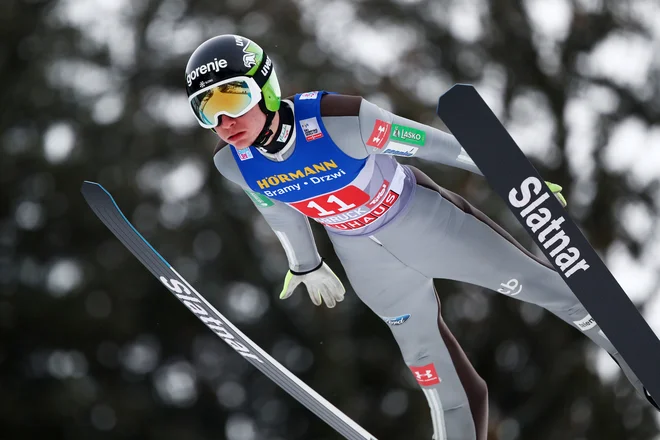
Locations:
391 289
475 387
445 237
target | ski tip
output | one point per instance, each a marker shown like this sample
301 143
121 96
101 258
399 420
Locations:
458 88
92 189
462 86
448 100
87 186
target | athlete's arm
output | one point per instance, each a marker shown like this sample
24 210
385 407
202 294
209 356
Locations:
360 128
291 227
411 139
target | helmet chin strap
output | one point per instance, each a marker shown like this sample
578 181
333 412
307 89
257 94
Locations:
266 132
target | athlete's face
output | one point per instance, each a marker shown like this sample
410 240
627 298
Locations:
241 132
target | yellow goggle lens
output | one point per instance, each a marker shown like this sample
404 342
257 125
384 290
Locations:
232 99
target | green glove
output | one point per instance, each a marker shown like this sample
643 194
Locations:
556 190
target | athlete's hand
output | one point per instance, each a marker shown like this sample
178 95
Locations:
322 285
556 190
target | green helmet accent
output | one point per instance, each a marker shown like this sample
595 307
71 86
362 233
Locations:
271 93
271 90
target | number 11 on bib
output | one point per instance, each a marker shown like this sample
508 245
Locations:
512 176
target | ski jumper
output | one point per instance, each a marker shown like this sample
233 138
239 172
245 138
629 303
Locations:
395 230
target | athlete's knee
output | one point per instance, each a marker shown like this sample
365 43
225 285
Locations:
566 305
545 289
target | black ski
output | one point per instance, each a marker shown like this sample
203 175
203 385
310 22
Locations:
107 210
514 178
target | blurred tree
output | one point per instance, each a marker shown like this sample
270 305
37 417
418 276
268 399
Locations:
92 346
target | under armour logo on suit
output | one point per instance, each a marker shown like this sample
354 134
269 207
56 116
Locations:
426 375
420 376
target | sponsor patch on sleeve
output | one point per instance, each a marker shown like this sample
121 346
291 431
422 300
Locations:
397 149
380 134
259 199
408 135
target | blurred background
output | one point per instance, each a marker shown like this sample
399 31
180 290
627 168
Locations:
92 346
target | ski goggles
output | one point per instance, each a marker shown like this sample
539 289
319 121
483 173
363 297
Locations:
232 97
